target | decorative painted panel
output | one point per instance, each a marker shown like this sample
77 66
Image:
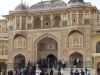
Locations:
86 21
88 64
29 25
9 66
10 27
64 23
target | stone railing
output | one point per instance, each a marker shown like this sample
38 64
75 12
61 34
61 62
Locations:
3 36
95 30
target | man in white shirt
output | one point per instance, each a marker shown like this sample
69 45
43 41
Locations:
38 71
63 63
78 62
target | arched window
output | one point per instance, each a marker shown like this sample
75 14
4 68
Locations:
57 21
98 47
76 40
20 43
37 23
3 50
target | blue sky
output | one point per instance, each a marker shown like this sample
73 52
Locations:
7 5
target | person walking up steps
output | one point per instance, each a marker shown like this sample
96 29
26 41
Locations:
51 72
71 72
38 71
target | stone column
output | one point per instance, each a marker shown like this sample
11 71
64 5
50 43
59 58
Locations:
15 23
51 17
68 62
67 19
20 22
61 19
83 61
77 17
89 14
83 16
41 21
26 21
70 17
32 21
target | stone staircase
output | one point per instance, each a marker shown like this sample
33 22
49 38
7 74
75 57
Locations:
66 71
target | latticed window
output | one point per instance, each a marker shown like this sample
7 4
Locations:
20 43
76 40
3 50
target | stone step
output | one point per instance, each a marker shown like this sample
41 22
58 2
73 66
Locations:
66 71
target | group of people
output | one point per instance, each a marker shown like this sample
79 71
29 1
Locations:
86 72
50 63
45 72
32 71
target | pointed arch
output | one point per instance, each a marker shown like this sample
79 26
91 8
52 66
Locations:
57 21
19 42
42 52
37 22
47 22
76 59
19 61
75 39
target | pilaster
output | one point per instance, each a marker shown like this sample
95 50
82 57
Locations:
15 23
51 18
20 22
41 21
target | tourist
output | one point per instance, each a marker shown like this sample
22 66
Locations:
34 67
63 63
77 73
42 72
55 64
59 73
82 72
75 63
78 62
38 71
1 72
87 72
51 72
59 64
29 63
71 72
46 72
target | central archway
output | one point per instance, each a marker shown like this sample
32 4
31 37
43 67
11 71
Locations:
51 56
76 60
19 61
45 47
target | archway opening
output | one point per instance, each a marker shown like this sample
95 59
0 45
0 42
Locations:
3 67
45 47
98 68
98 47
51 56
19 61
76 60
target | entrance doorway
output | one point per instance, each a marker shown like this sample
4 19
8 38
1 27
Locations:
3 67
19 61
76 60
98 68
47 48
51 56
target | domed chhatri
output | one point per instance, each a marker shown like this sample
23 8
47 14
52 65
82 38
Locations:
48 5
21 7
